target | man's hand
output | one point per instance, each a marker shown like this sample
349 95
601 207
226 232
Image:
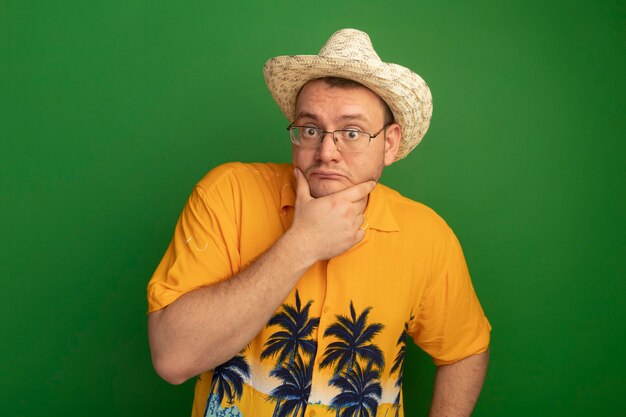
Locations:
328 226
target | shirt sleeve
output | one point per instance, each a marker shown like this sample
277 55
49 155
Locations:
204 248
450 324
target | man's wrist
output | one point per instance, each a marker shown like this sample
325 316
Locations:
295 250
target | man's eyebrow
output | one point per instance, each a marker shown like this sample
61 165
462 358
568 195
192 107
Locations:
356 116
306 115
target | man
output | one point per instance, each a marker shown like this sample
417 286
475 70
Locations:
292 289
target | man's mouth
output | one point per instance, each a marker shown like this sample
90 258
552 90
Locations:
327 174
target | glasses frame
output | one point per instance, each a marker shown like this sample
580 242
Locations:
333 132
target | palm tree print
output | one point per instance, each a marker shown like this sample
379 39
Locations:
360 392
228 379
398 365
294 341
293 394
296 334
354 341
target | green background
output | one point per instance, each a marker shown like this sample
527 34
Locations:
111 111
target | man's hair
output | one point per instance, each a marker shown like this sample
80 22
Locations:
347 83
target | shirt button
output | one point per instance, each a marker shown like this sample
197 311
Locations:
312 413
326 309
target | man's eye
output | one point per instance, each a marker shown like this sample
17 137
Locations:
351 134
309 132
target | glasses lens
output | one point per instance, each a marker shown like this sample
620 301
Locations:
307 137
352 140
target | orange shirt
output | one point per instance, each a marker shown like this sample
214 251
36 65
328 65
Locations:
338 340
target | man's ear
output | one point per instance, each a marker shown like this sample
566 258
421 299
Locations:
393 136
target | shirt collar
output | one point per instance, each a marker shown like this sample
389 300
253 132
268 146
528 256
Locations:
288 193
378 213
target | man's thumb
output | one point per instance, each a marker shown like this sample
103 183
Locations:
302 185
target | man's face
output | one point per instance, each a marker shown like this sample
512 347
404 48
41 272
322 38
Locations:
335 107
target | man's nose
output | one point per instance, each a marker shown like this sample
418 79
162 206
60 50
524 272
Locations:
327 150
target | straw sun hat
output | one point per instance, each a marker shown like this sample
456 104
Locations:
349 54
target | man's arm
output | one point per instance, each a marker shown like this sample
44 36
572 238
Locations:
210 325
458 385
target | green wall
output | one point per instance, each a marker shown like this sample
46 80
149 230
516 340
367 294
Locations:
111 111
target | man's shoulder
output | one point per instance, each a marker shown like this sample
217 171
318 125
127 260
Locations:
241 174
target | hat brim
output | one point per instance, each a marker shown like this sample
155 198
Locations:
406 93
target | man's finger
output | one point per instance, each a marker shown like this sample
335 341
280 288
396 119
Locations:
302 186
358 191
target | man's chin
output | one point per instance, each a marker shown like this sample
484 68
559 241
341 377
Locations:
326 187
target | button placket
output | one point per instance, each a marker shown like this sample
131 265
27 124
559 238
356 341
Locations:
319 383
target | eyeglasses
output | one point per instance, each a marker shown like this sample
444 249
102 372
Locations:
346 140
